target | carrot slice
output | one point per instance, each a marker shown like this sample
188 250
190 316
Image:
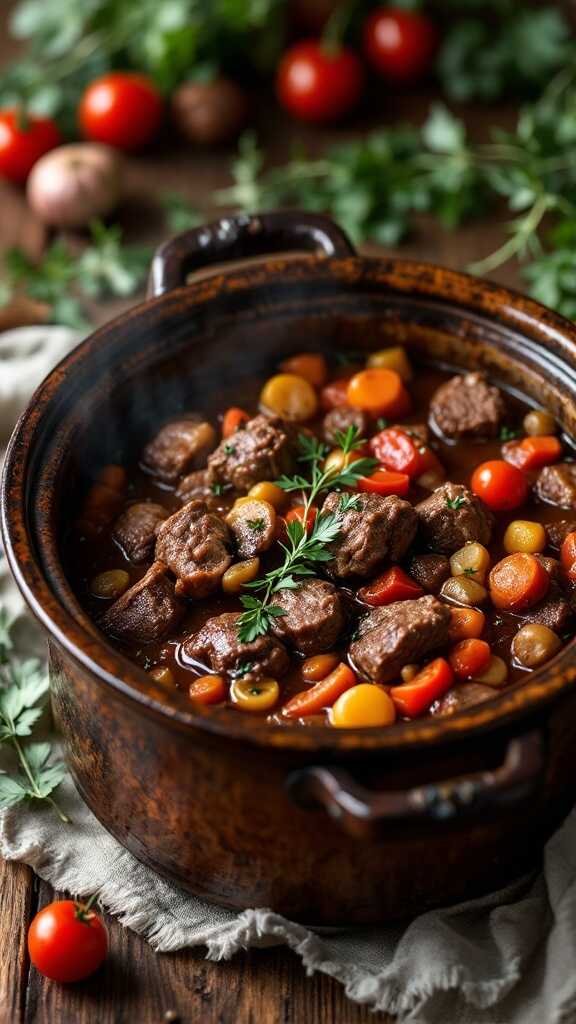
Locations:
322 695
384 482
518 581
411 699
208 690
466 623
533 452
379 392
233 419
318 667
568 556
310 365
469 657
392 585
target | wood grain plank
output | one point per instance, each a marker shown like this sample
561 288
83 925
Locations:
137 985
17 903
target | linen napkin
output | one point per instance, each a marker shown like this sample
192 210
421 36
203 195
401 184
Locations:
508 958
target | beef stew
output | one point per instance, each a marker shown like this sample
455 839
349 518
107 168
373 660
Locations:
398 525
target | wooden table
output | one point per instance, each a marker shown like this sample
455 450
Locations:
136 986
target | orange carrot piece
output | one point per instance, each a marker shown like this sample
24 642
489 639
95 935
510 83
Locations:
233 419
469 657
310 365
208 690
518 581
322 695
466 623
379 392
412 698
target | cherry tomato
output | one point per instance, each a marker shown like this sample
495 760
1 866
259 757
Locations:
385 482
121 109
319 84
22 142
499 484
400 44
67 941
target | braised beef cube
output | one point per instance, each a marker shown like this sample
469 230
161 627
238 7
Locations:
452 516
554 611
180 445
253 524
553 568
147 612
340 419
195 545
557 484
135 530
313 616
460 698
557 532
217 648
259 451
467 407
399 634
430 571
417 431
197 485
374 531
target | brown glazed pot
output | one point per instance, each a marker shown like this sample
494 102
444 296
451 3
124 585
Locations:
325 826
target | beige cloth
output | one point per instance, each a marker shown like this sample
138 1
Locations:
507 959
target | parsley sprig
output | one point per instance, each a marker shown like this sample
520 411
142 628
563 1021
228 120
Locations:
23 689
304 551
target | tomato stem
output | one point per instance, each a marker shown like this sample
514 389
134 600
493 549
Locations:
336 27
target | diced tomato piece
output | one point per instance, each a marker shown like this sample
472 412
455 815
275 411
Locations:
411 699
297 513
533 452
335 394
395 449
500 485
392 585
568 556
385 482
233 419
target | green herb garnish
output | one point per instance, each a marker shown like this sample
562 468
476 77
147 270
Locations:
23 692
256 524
509 434
455 503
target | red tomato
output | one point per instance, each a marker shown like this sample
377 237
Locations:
396 450
334 395
500 485
67 941
23 142
384 482
568 556
411 699
392 585
400 44
121 109
319 84
297 513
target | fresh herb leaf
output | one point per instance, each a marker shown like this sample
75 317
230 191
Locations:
179 213
509 433
230 449
382 423
23 690
219 489
455 503
257 524
349 440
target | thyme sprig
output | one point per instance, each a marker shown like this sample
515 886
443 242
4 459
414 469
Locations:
23 689
304 551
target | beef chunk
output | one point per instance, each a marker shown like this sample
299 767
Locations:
197 485
461 698
217 647
374 531
181 445
135 530
557 484
259 451
253 524
313 616
147 612
554 611
430 571
452 516
467 406
339 419
557 532
194 543
399 634
417 431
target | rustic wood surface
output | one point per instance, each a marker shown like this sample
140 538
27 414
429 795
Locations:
136 986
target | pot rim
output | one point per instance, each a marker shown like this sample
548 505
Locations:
78 636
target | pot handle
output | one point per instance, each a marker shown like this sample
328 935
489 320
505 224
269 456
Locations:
240 236
364 812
